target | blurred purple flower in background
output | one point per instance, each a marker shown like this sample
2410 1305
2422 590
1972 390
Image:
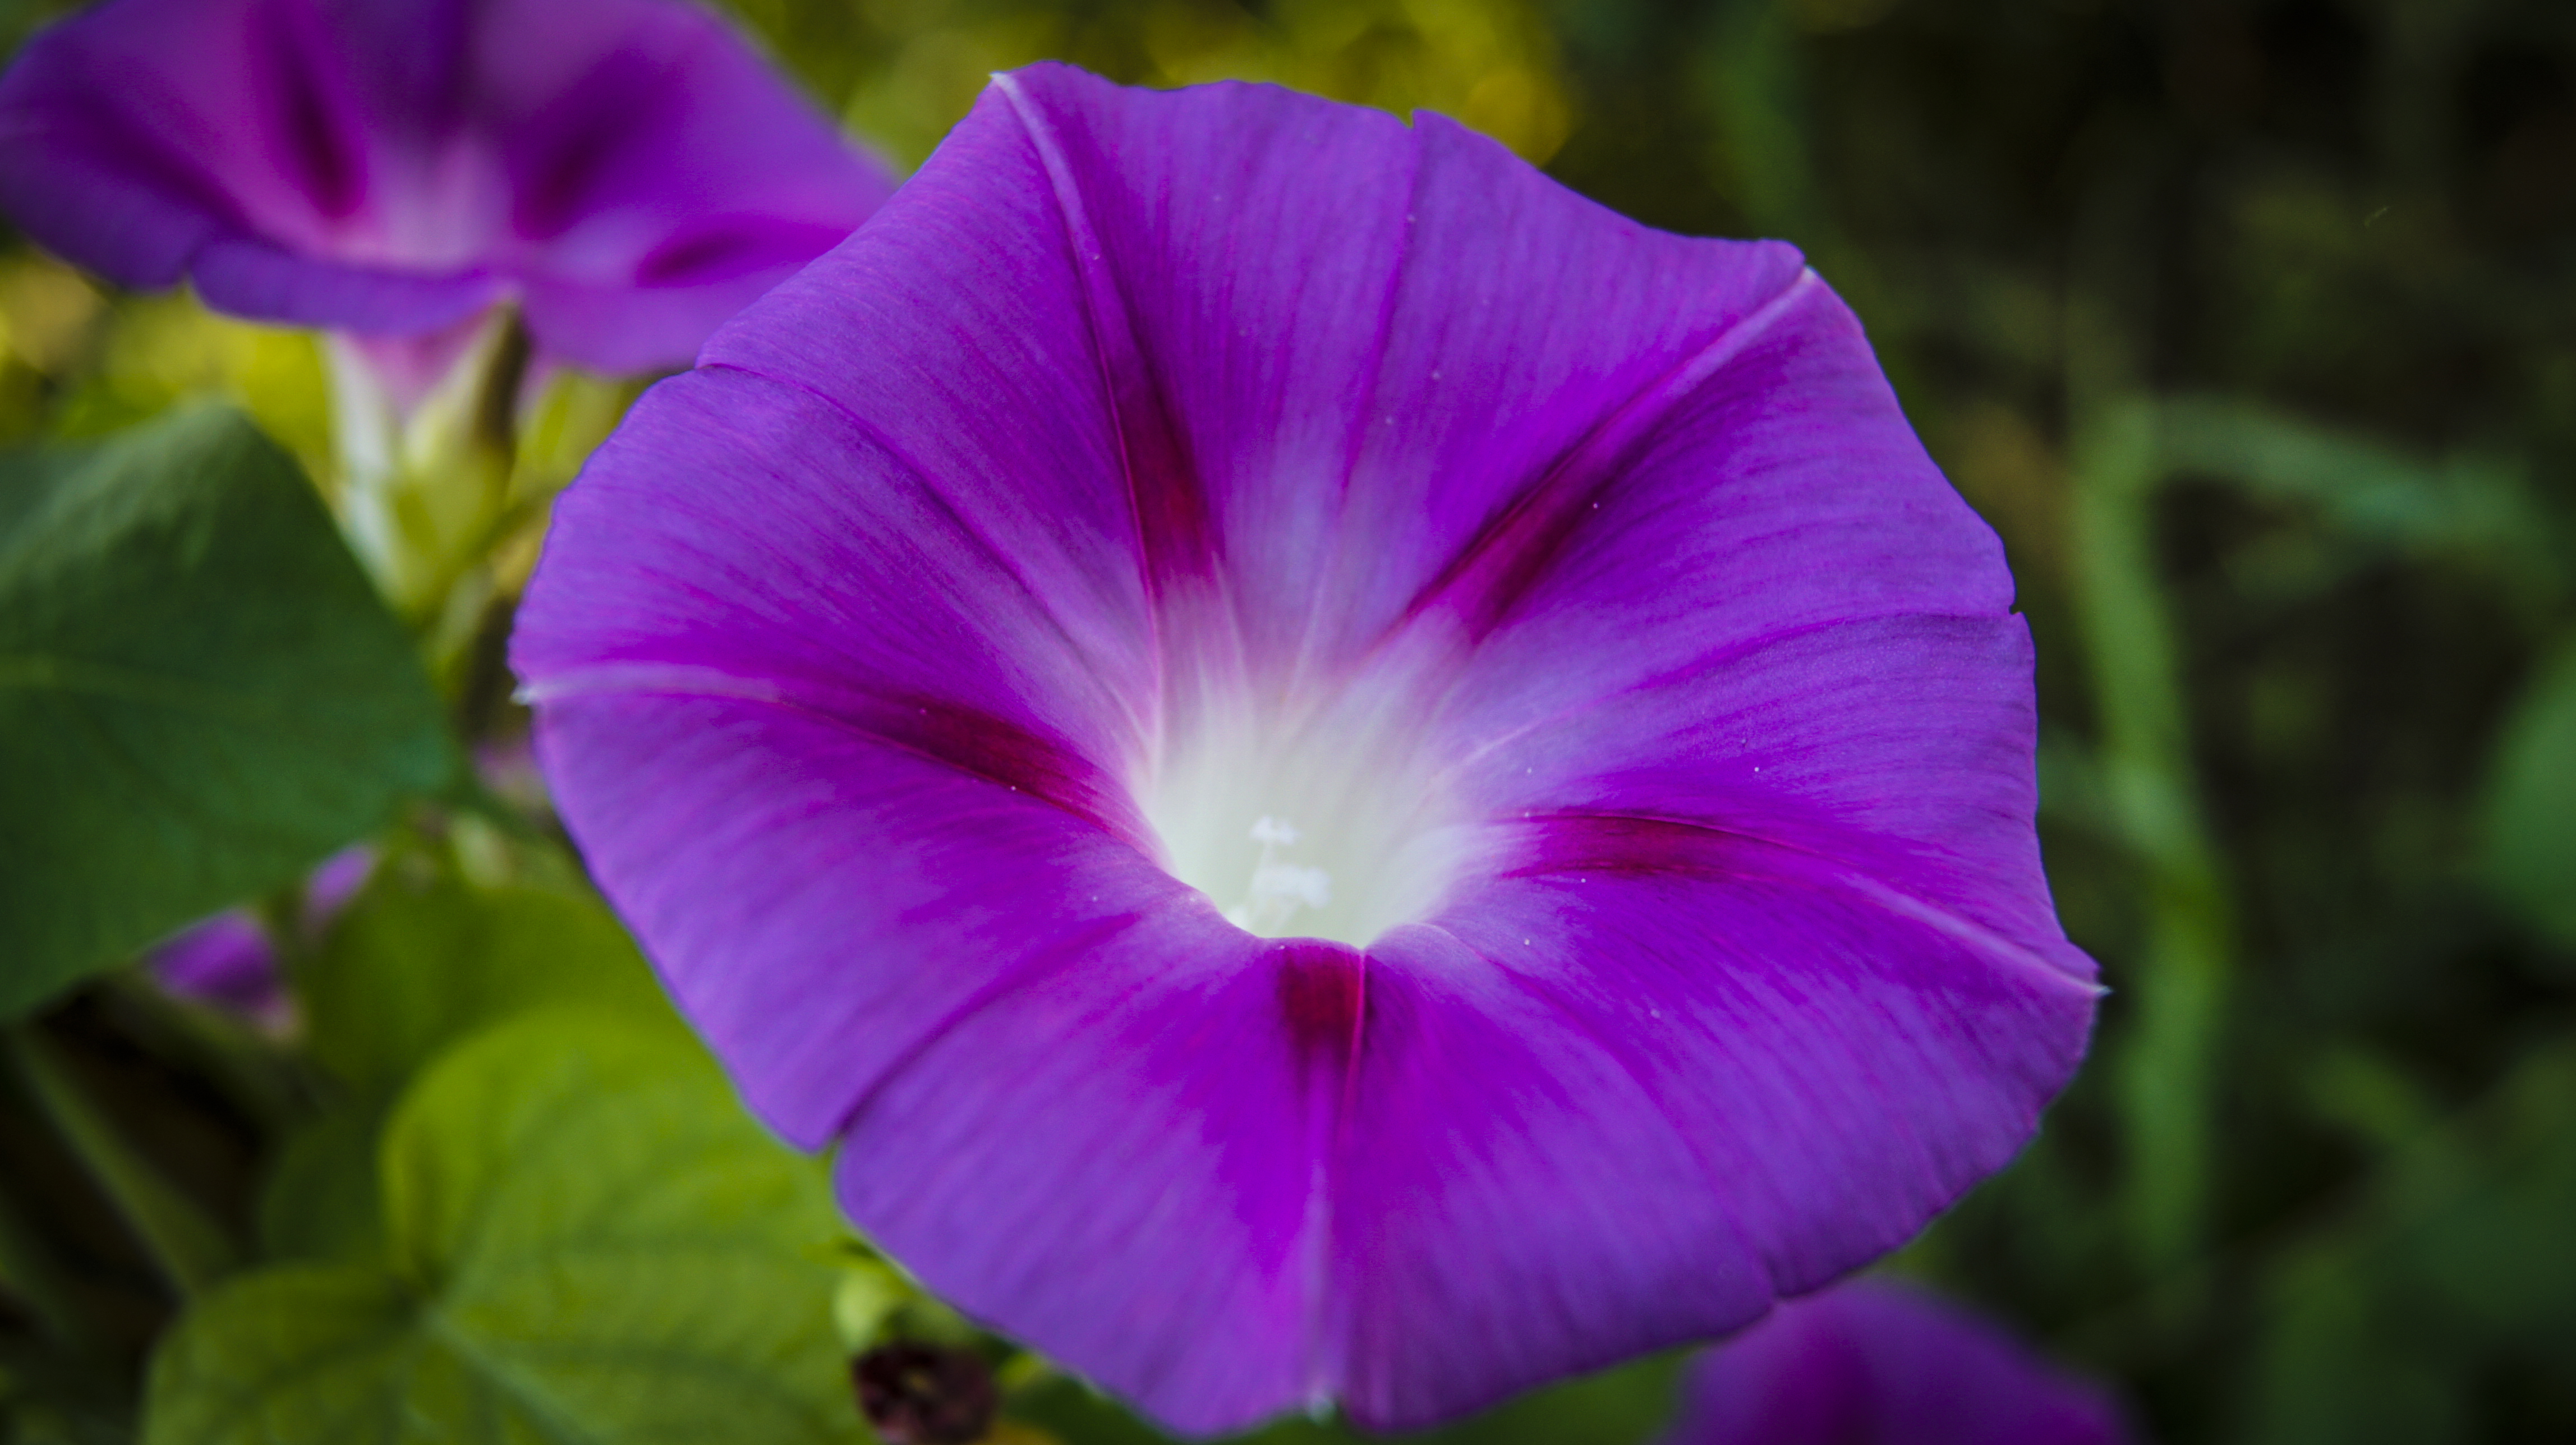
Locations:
1876 1363
229 960
627 171
1342 775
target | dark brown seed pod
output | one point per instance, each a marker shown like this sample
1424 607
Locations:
918 1394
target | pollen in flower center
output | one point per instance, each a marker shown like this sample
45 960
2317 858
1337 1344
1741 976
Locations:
1323 830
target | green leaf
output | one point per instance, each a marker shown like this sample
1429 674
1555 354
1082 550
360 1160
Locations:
2471 506
2335 1369
415 963
589 1241
2530 809
2456 1270
200 695
321 1199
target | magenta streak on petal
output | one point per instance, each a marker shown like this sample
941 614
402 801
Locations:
1498 565
957 516
1175 538
975 744
312 117
1579 843
1323 996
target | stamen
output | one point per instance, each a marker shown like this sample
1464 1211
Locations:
1278 889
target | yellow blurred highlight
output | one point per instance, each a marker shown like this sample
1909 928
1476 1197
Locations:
156 351
1490 66
45 313
867 1296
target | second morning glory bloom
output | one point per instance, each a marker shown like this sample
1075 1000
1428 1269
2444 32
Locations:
229 960
627 171
1342 776
1877 1363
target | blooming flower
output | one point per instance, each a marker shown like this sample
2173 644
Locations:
1872 1363
228 960
627 170
1343 776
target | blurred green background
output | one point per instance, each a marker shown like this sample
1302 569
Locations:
2252 328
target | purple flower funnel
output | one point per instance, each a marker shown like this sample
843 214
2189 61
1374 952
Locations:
1343 777
1874 1363
627 170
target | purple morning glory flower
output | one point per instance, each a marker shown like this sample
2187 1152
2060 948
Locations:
627 170
228 960
1874 1363
1343 776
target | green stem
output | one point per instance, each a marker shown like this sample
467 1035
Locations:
28 1275
191 1251
2168 1072
254 1074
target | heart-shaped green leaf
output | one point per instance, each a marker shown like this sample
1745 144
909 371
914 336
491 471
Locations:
587 1240
200 694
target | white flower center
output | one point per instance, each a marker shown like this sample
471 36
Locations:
1332 827
1278 889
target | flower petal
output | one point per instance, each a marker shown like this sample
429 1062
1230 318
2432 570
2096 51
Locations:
1093 1032
820 899
249 277
1805 869
1767 485
628 166
1124 1157
136 132
1370 273
661 175
226 960
1900 747
1886 1364
856 587
1511 1201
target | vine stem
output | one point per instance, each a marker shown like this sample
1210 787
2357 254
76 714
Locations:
187 1246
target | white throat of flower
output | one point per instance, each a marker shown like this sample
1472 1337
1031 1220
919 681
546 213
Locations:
1332 826
1278 888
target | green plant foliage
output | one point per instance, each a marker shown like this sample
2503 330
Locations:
2530 818
2447 1296
421 958
586 1240
200 696
322 1199
418 961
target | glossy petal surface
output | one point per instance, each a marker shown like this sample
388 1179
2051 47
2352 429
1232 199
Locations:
925 675
626 169
1874 1363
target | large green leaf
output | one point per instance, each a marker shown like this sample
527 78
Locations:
415 963
200 695
419 960
587 1241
